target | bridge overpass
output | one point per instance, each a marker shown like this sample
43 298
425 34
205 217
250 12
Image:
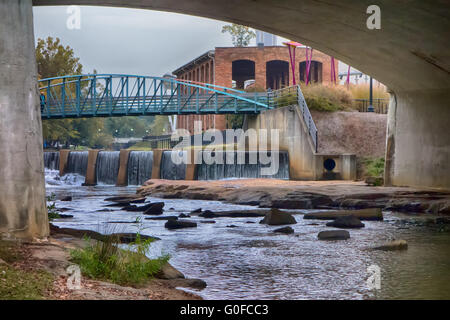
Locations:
410 54
112 95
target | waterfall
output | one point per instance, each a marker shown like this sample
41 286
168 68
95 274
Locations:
139 167
51 160
107 167
77 162
217 171
170 170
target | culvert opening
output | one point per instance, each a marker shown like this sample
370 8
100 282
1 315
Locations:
329 164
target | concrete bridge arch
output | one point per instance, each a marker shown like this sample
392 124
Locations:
409 54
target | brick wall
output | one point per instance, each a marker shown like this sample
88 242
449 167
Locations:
219 71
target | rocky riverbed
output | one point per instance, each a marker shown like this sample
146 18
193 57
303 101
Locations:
239 257
283 194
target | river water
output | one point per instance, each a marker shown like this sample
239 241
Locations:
249 261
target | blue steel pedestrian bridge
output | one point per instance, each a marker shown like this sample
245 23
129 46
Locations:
113 95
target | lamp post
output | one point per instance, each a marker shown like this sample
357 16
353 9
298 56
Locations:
370 109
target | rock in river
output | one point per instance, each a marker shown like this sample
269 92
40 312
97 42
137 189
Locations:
155 208
276 217
346 222
363 214
334 235
179 224
393 245
286 230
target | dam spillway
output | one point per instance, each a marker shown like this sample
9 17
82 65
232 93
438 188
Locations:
139 166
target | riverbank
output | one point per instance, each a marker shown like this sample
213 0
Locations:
282 194
38 270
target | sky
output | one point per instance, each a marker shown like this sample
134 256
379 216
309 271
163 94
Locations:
132 41
128 41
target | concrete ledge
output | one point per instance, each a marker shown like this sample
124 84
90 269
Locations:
91 177
156 169
122 176
63 158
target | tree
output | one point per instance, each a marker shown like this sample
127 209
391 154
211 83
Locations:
241 35
54 60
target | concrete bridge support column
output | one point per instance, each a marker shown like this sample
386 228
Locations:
23 212
418 139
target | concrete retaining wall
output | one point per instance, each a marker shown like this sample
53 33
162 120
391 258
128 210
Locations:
304 162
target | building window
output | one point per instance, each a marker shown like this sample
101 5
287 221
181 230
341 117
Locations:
277 74
242 70
315 73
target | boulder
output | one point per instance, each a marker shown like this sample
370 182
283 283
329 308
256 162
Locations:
134 208
346 222
285 230
298 200
179 224
64 216
182 215
168 272
231 226
163 218
333 235
276 217
393 245
199 210
207 221
373 214
155 208
66 198
234 213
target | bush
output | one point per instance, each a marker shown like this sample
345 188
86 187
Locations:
319 97
104 260
325 98
361 91
375 167
51 208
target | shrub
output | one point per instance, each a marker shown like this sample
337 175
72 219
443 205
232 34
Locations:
361 91
325 98
104 260
375 167
51 208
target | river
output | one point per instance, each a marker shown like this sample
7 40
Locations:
249 261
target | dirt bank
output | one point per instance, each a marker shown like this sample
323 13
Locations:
51 258
361 133
272 193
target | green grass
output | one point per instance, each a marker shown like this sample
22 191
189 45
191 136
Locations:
104 260
18 284
23 285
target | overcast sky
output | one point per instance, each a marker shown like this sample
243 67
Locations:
144 42
129 41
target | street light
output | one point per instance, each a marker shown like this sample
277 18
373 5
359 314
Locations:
370 109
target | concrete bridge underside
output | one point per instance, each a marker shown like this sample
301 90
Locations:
410 54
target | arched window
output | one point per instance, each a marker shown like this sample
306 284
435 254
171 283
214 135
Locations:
315 72
243 70
277 74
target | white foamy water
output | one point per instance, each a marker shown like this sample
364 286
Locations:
52 178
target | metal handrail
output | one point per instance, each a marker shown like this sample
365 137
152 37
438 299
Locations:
294 96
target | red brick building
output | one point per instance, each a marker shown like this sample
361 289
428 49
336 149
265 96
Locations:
268 66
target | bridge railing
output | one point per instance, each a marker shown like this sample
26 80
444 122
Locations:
291 96
117 95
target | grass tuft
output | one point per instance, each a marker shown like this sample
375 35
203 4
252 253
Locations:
104 260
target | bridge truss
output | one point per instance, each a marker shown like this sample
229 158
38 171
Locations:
111 95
